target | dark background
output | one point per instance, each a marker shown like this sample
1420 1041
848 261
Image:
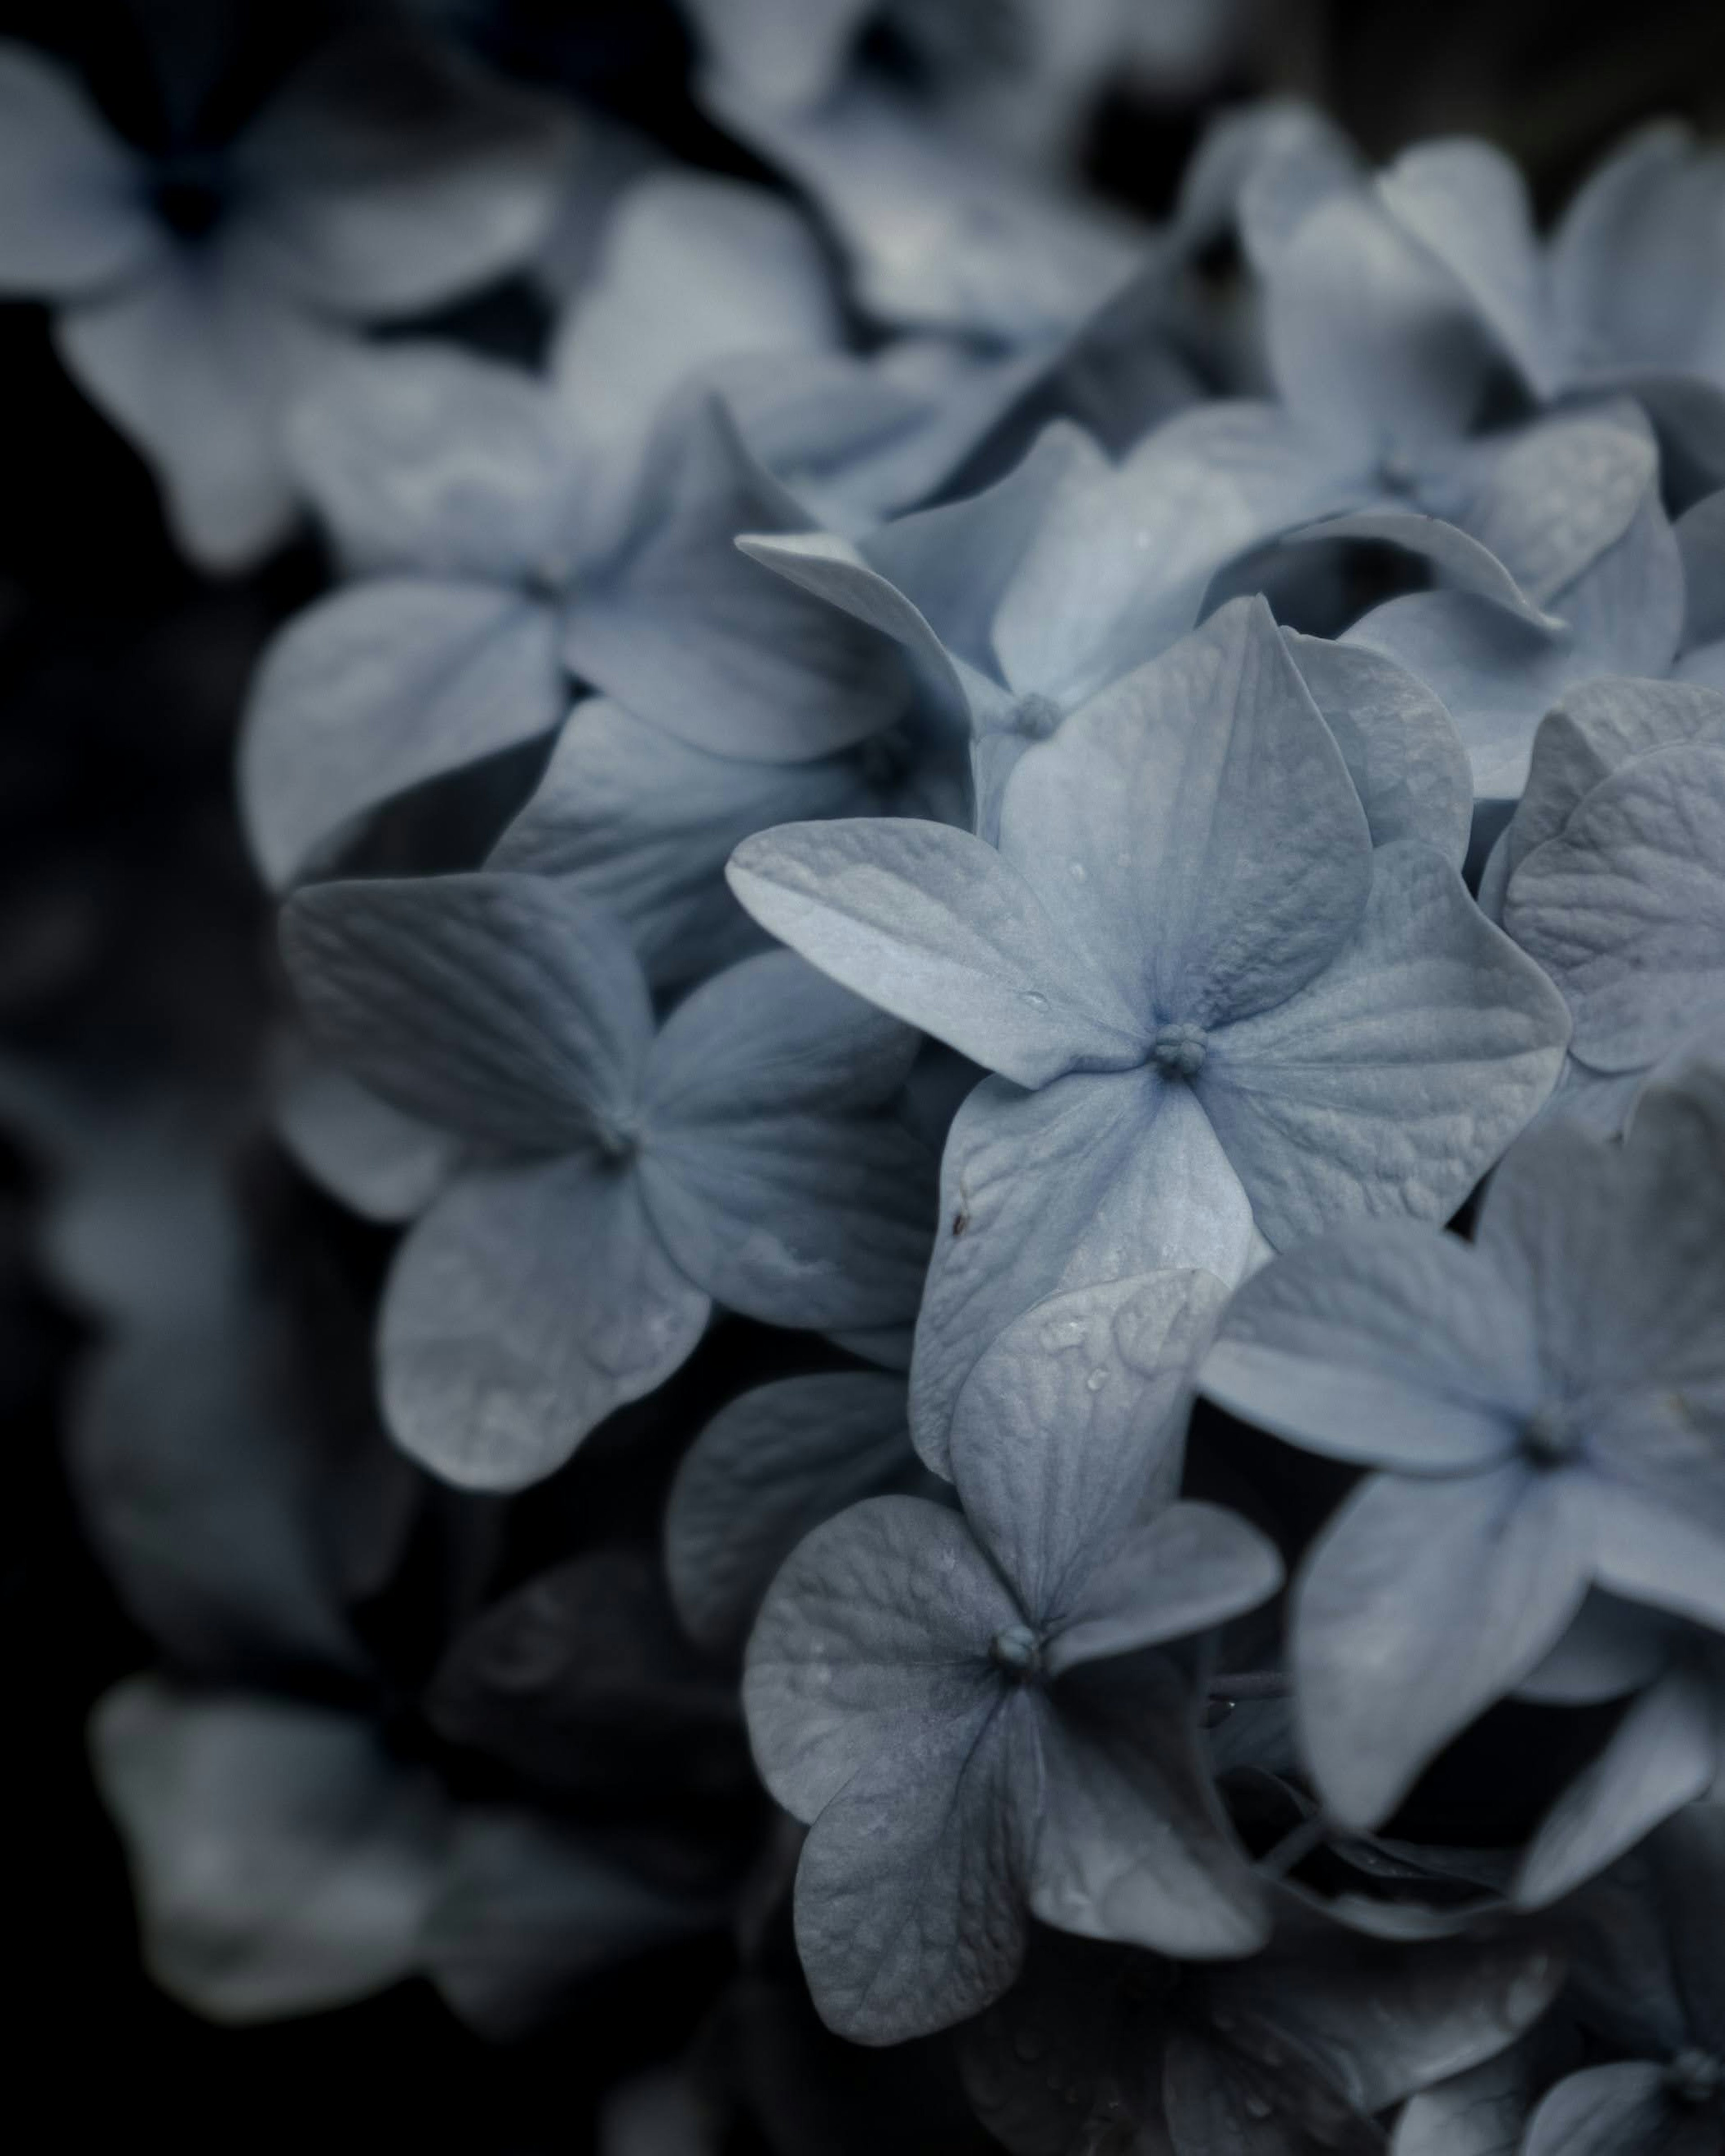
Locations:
131 933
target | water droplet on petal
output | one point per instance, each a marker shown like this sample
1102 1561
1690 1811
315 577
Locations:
1095 1380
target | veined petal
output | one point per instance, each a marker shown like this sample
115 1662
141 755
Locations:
1095 1178
1398 1077
499 1006
376 689
1132 825
524 1306
936 927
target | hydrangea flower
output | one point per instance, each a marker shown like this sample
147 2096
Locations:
1542 1412
200 289
1292 2053
979 1714
1212 1008
1648 607
615 1180
1623 296
1611 875
475 502
1648 1981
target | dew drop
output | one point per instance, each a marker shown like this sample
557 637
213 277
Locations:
1258 2107
1034 998
1095 1380
1077 871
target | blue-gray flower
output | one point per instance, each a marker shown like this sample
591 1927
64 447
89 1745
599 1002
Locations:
1545 1410
201 291
616 1180
974 1712
1210 1002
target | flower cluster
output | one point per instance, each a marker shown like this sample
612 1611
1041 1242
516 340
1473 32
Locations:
1121 874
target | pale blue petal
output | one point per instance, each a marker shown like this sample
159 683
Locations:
198 367
1383 1344
76 212
1129 822
425 458
502 1007
1133 1844
1625 908
877 1628
524 1306
911 1894
942 235
375 690
1371 343
1664 1753
381 1163
1598 725
1467 203
1421 1604
688 633
932 924
1621 2110
1398 1077
1549 498
1093 1179
1403 753
283 1862
771 1161
392 174
1068 1435
693 271
635 819
1494 672
766 1470
1193 1568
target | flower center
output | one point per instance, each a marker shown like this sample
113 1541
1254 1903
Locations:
188 194
1550 1437
1016 1652
885 759
1695 2076
618 1138
1178 1051
1035 716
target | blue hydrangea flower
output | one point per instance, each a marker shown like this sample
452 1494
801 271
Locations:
1611 875
200 290
978 1715
1622 297
614 1181
1212 1008
1647 1982
1543 1411
1648 607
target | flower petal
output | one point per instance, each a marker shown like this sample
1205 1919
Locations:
498 1006
1068 1435
910 1902
1130 824
1384 1343
525 1306
75 201
1421 1604
876 1632
376 689
766 1470
283 1862
1093 1179
1398 1077
771 1162
934 926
